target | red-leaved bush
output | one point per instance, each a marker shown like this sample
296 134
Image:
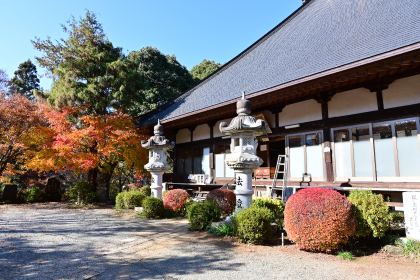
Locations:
175 199
319 219
226 200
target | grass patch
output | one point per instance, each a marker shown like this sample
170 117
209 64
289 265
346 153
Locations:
139 215
410 248
345 255
225 229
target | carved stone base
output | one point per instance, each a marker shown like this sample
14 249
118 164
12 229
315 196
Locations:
156 186
243 190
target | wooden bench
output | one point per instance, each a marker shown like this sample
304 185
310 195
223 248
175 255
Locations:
262 173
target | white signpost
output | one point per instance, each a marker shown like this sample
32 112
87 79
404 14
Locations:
411 214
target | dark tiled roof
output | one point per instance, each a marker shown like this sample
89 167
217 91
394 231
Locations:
321 35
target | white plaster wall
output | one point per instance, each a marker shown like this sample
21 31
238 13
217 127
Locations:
183 135
305 111
216 130
402 92
270 118
352 102
201 132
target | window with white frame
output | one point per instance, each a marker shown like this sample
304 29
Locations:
386 151
222 170
305 155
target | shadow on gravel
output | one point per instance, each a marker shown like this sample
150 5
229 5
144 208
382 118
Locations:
19 260
194 259
72 245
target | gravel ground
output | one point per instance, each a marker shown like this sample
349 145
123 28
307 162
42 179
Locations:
48 241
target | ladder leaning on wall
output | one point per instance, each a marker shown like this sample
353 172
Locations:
281 161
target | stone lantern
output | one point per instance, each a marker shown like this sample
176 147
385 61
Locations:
157 146
243 131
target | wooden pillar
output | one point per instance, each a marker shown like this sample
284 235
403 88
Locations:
191 129
378 88
324 109
323 98
276 111
328 154
211 125
175 160
380 100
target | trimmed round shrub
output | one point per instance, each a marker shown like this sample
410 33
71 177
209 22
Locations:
319 219
133 198
146 190
153 208
201 215
119 201
226 199
84 192
175 200
276 207
253 225
372 213
164 193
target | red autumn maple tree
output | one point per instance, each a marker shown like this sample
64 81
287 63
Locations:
90 143
20 121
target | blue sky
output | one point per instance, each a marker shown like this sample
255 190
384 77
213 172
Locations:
191 30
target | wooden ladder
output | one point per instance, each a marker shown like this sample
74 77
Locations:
281 161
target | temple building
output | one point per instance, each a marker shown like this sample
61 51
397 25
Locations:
337 83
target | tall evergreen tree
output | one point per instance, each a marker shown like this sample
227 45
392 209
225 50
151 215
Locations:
205 68
25 80
163 78
88 70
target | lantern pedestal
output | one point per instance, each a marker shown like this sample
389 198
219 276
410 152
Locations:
156 186
243 189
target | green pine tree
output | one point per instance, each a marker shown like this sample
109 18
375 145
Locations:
87 70
205 68
25 80
163 78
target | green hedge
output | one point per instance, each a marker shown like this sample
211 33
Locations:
372 213
146 190
201 215
153 208
129 199
253 225
275 206
133 199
